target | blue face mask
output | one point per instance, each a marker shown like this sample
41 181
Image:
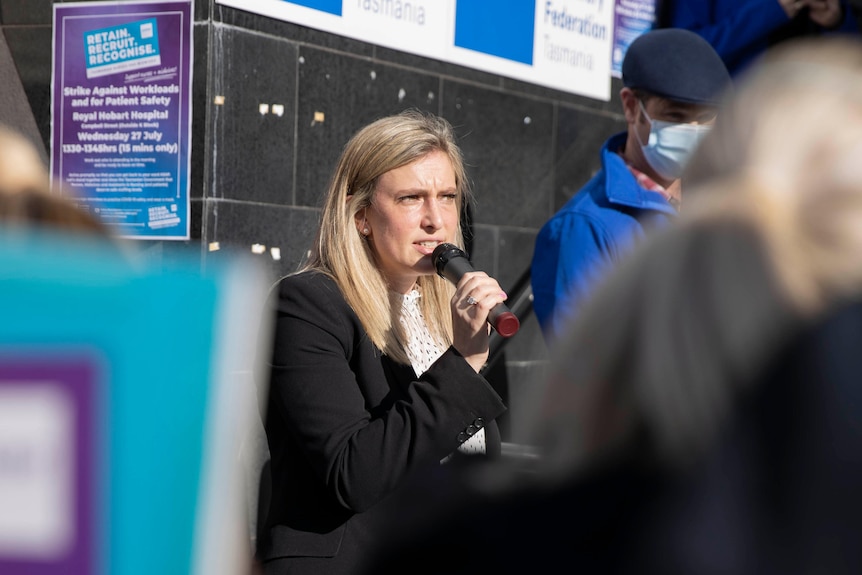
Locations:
670 145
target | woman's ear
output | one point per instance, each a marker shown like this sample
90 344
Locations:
361 222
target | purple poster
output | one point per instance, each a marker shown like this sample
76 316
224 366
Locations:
48 465
121 113
631 19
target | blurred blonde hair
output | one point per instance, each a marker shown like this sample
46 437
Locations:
769 241
25 194
344 254
21 166
786 155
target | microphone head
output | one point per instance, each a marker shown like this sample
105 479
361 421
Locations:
443 253
507 324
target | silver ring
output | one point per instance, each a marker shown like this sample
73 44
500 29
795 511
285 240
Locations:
472 301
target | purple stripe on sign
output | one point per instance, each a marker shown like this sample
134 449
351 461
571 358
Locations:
49 461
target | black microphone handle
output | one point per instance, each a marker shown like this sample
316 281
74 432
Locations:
455 268
500 317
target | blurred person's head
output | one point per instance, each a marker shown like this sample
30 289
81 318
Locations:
673 82
396 193
21 166
771 240
787 151
26 199
38 209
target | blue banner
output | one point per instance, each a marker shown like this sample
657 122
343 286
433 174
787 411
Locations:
503 29
120 412
130 46
329 6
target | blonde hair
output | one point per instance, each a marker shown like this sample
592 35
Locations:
769 242
25 193
21 166
786 154
341 252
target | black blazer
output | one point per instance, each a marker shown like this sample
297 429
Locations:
346 427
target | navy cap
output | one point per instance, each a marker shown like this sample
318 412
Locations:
676 64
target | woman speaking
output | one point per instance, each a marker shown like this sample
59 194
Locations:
376 359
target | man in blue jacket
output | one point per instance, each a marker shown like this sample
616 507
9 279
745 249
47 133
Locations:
673 82
741 30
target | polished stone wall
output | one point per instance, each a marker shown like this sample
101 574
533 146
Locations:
257 178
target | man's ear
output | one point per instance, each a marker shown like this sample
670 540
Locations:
630 105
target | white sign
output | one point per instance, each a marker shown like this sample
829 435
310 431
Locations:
562 44
37 443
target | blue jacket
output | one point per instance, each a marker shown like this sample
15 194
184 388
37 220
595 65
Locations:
740 30
597 227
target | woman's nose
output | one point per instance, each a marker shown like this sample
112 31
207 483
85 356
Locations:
433 216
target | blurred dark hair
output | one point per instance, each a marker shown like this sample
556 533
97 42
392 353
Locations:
36 208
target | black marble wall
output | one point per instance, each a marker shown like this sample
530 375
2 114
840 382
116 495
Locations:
257 178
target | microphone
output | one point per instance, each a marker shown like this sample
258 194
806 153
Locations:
451 263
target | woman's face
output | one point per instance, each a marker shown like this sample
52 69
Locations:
413 210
